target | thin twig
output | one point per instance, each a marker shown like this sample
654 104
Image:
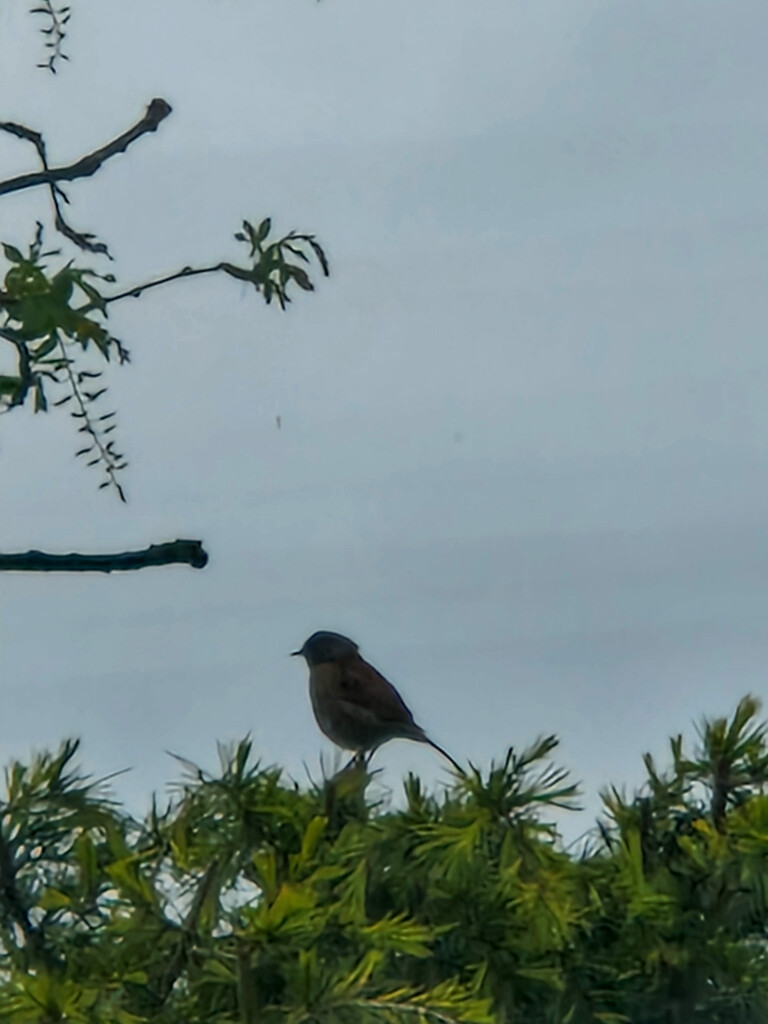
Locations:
56 33
139 289
109 460
80 238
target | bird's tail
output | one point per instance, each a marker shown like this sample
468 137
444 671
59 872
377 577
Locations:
445 754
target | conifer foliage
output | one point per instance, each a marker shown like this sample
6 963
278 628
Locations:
250 898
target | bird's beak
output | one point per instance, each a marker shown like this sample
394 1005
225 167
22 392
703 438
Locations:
294 653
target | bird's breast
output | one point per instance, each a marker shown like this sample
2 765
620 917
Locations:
324 689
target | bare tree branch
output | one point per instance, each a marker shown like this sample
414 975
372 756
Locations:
87 165
187 552
139 289
270 273
82 239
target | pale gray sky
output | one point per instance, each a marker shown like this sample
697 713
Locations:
524 425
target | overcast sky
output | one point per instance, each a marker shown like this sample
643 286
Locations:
522 455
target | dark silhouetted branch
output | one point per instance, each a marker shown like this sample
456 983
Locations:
55 34
137 290
87 165
183 552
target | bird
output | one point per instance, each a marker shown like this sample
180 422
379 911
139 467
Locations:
354 705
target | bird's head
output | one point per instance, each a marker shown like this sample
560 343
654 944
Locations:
326 646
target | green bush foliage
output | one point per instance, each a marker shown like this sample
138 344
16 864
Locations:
249 898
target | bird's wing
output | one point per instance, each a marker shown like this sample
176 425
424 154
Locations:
365 689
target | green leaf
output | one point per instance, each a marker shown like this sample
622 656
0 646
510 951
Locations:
46 347
54 899
9 385
353 892
136 977
355 978
127 876
301 278
24 281
319 252
551 976
291 900
12 253
97 299
240 273
312 835
266 872
87 859
401 934
62 285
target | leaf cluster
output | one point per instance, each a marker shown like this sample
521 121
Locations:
56 321
272 271
53 320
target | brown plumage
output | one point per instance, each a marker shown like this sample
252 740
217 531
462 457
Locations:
355 706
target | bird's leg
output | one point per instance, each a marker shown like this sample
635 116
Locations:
358 760
367 758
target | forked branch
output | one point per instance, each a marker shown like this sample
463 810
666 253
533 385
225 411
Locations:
87 165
